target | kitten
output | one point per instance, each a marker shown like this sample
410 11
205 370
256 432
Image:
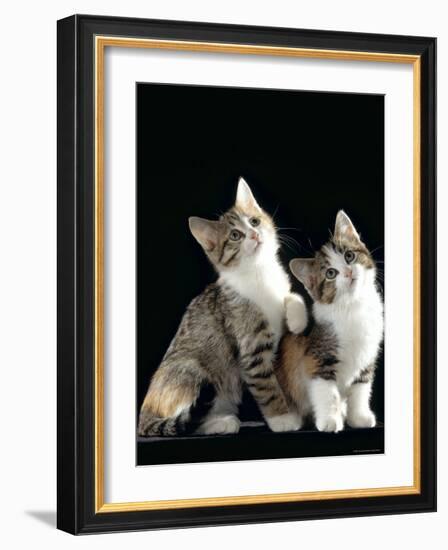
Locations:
229 334
329 372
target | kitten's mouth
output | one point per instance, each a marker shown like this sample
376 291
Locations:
353 281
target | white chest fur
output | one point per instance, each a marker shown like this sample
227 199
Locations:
266 286
358 325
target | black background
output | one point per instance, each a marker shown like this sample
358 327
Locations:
304 154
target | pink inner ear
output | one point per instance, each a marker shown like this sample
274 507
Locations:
210 245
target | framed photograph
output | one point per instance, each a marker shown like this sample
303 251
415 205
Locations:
246 274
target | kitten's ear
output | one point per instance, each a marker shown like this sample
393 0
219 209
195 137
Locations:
244 197
303 269
344 228
205 232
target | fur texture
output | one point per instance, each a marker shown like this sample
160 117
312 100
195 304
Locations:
329 372
229 334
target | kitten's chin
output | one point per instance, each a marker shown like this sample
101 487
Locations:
257 248
355 289
353 286
264 255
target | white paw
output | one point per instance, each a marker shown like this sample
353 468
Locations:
365 419
228 424
331 423
289 422
296 314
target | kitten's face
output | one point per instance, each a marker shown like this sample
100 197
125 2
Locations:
244 235
341 269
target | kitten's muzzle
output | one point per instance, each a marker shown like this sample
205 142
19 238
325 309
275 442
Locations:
348 274
255 237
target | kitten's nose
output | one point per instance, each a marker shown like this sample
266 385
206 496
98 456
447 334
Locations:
254 235
348 273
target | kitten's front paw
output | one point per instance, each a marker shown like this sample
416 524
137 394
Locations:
331 423
289 422
344 409
296 314
365 419
228 424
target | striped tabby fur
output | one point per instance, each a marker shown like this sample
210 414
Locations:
228 335
329 372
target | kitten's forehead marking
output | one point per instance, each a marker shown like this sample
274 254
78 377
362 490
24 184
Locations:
233 219
238 220
332 256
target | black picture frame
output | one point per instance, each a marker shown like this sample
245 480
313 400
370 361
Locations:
78 511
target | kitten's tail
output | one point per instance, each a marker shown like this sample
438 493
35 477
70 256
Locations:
184 423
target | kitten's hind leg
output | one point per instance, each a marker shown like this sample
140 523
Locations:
222 418
220 425
178 398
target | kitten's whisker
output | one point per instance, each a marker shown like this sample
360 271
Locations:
290 240
299 248
287 243
377 248
275 211
291 228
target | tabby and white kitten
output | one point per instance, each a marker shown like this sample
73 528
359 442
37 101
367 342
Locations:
229 334
329 372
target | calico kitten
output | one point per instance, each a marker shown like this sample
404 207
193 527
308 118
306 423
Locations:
329 372
229 334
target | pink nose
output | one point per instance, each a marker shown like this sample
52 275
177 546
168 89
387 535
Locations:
348 273
254 235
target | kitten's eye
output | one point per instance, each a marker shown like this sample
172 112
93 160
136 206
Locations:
235 235
349 256
254 222
331 273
